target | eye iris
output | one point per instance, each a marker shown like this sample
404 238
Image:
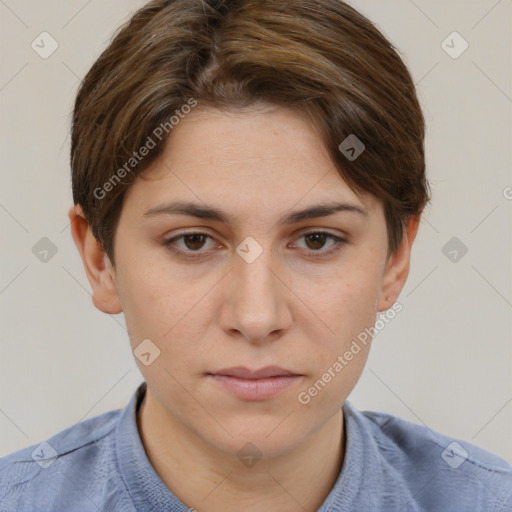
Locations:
318 240
196 239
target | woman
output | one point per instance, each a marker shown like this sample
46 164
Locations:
248 179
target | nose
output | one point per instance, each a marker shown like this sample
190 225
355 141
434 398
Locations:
254 305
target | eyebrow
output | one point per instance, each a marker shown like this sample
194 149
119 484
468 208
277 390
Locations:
208 212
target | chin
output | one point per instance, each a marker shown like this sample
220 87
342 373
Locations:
252 449
267 437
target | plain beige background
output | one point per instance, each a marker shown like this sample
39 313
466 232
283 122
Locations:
444 361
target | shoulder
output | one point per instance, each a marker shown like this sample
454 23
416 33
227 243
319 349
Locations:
437 469
77 464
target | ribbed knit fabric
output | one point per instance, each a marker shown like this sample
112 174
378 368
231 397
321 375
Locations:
390 465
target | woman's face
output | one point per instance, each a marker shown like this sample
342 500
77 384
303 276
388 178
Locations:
255 288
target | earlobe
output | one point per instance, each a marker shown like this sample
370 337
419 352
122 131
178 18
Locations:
97 266
397 267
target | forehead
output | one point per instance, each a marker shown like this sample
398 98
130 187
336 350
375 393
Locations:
268 159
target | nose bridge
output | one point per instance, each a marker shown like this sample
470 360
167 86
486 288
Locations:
255 278
256 306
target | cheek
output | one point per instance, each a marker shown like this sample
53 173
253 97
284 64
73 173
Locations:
166 308
346 304
348 308
330 387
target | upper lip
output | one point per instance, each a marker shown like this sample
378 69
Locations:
246 373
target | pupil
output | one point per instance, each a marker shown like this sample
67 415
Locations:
319 239
195 239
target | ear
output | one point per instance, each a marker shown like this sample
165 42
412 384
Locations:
397 267
97 265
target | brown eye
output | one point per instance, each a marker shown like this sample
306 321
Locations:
190 245
317 240
194 241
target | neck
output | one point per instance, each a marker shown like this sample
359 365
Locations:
209 480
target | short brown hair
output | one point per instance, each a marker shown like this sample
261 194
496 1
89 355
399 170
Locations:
320 57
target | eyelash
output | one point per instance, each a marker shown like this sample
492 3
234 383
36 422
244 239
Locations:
339 243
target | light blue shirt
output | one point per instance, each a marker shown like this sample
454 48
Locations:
390 465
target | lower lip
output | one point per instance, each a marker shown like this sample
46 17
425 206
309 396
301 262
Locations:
256 389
